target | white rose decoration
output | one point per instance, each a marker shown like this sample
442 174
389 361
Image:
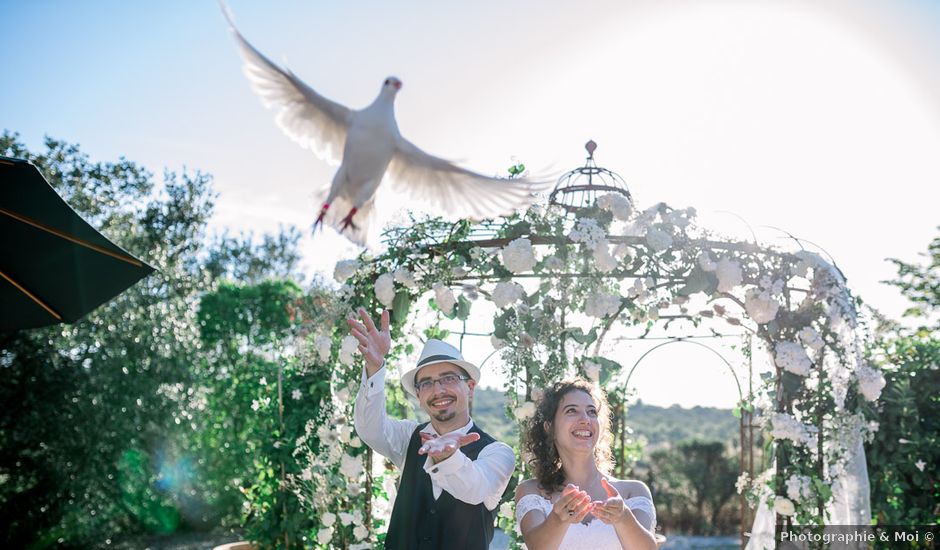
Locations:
525 410
616 204
760 306
325 535
351 467
348 349
360 532
601 305
323 344
791 357
729 274
345 269
507 293
405 278
385 289
811 338
603 259
519 256
497 343
784 506
658 239
870 382
444 297
592 370
328 519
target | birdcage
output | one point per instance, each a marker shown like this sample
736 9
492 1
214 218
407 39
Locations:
582 186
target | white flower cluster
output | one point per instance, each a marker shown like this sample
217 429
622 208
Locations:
348 349
592 370
404 277
741 485
507 293
616 204
811 338
351 467
497 343
444 297
385 289
601 304
525 410
729 274
791 357
799 488
784 426
761 307
784 506
345 269
519 256
588 232
870 382
322 344
657 239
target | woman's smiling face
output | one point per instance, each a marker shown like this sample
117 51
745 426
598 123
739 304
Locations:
576 426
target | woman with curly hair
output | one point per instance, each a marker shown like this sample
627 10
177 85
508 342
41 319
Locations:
572 503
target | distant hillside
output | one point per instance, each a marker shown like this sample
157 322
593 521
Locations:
657 425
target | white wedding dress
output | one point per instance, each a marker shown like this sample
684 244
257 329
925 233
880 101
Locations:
596 535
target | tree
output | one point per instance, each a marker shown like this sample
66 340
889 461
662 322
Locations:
97 435
904 453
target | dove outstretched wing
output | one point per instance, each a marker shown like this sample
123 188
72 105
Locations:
307 117
441 186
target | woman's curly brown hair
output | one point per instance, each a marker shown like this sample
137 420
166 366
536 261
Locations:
540 443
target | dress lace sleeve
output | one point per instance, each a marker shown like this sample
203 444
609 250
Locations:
642 504
531 502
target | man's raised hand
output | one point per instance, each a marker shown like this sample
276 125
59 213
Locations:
374 344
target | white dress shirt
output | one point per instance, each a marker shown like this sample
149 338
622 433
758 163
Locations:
471 481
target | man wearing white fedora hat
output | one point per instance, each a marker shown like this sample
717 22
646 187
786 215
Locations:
453 474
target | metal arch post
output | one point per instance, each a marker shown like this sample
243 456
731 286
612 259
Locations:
737 382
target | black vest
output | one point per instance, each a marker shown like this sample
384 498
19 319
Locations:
420 522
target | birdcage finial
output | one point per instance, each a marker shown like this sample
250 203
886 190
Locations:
590 146
581 187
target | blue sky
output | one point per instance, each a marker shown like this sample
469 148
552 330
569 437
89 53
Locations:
822 118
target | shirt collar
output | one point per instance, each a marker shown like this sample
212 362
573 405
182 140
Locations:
429 429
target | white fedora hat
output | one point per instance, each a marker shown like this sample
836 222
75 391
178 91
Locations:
434 352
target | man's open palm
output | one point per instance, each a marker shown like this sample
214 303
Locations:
374 344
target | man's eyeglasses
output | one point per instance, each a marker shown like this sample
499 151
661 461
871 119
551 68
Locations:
446 381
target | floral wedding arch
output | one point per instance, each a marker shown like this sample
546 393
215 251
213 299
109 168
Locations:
557 279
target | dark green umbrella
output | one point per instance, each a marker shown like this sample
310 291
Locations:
54 267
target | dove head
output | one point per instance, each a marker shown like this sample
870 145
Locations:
391 85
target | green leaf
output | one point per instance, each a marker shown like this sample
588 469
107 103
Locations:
400 307
462 310
580 337
699 281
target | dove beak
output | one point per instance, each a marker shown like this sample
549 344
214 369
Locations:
397 85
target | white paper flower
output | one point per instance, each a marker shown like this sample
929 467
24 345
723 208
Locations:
405 278
507 293
296 395
355 442
742 483
497 343
348 349
525 410
360 532
920 465
323 344
870 382
623 252
263 381
351 467
791 357
346 518
601 305
592 370
505 509
519 256
784 506
325 535
729 274
588 232
328 519
706 263
658 239
798 488
811 338
444 297
784 426
385 289
345 269
616 204
760 306
603 260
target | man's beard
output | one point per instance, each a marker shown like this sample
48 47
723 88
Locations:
444 416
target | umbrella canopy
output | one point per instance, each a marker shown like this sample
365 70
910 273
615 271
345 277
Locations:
54 267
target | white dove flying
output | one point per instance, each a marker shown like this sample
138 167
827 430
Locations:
368 147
